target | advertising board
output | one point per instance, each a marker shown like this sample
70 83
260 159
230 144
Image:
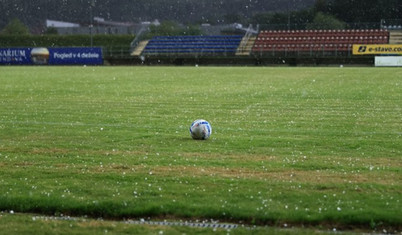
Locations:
388 61
15 56
377 49
51 56
75 56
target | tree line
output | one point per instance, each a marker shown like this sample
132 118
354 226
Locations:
33 13
335 14
303 14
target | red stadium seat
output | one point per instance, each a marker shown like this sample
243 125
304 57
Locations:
318 40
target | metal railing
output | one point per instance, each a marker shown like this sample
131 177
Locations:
121 52
313 52
246 38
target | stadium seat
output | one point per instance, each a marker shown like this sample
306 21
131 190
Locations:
318 40
200 45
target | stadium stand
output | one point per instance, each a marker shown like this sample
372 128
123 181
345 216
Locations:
317 40
291 47
192 45
395 37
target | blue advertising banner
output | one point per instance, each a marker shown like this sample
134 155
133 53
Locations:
76 55
15 56
52 56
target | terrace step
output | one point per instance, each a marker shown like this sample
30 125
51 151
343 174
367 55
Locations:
246 50
395 37
138 50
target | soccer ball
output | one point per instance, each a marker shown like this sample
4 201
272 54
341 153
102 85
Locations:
200 130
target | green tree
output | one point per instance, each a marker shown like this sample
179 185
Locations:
233 18
15 27
366 11
193 30
320 6
325 21
51 30
284 20
171 28
269 18
166 28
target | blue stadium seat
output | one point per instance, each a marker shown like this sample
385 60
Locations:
197 45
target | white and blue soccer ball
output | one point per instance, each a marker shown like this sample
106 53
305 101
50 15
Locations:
200 129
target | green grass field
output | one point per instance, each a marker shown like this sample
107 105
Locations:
304 147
